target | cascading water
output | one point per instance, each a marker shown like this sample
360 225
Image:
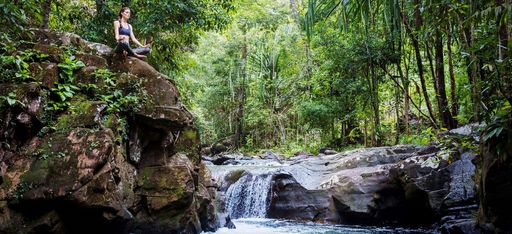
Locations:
248 197
253 191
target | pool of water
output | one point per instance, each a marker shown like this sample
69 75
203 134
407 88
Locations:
272 226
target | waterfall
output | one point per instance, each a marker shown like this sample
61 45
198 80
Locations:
248 197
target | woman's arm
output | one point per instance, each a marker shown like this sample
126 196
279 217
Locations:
133 37
116 30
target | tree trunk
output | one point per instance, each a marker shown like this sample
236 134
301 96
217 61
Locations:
397 112
472 68
453 97
417 52
407 102
432 70
446 117
374 102
502 31
47 7
503 55
241 100
295 11
405 82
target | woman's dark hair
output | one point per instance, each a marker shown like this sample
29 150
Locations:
122 10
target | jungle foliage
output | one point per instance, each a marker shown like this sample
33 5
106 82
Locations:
294 75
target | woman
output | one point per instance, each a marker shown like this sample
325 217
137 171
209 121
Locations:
123 32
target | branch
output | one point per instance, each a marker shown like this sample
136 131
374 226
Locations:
408 96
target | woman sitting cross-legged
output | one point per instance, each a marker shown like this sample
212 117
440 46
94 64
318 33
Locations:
123 32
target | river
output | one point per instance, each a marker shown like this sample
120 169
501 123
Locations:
246 201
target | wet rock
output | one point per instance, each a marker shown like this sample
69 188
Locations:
229 224
400 185
460 227
222 146
271 156
229 179
292 201
206 158
330 152
221 159
327 151
469 130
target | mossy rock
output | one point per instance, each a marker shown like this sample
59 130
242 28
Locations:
53 51
128 83
92 60
32 97
188 143
12 176
65 162
171 186
81 114
46 73
86 76
48 37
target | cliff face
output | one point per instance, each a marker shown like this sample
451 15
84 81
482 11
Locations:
100 164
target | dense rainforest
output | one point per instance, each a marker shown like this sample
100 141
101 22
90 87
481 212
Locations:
308 74
221 120
295 75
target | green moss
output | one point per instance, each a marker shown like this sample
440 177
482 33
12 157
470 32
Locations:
111 121
171 218
80 114
37 174
145 176
179 191
53 146
190 134
64 122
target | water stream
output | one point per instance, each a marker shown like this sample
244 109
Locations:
272 226
246 201
248 197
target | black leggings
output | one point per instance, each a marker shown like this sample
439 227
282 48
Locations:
124 46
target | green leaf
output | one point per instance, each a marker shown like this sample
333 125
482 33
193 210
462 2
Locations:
11 101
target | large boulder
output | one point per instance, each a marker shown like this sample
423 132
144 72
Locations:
292 201
135 171
495 188
400 185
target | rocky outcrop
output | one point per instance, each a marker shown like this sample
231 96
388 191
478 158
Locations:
400 185
404 185
89 169
495 187
290 200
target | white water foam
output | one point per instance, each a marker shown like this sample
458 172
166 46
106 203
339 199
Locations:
248 197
